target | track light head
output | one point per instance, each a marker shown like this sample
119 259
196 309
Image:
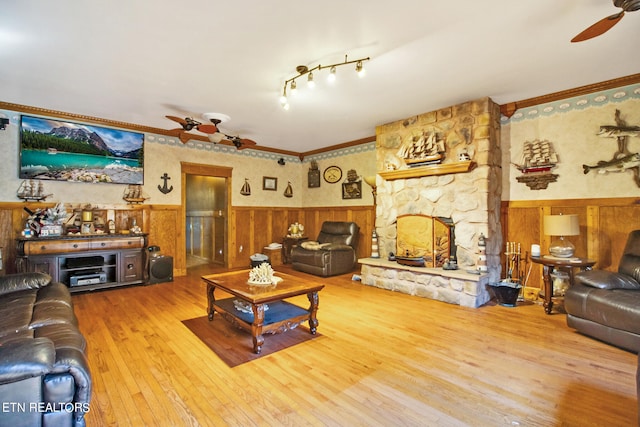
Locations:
310 81
332 74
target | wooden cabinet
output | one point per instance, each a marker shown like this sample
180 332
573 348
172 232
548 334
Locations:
86 262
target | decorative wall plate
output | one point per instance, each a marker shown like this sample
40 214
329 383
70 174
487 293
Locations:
332 174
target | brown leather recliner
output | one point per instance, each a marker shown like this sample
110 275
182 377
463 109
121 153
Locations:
334 253
605 304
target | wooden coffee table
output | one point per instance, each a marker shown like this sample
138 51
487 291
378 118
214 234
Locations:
262 309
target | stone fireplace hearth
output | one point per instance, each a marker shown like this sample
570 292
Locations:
467 192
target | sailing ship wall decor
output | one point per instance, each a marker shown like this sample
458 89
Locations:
425 149
246 188
538 159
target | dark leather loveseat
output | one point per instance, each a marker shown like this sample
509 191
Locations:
44 374
605 304
334 252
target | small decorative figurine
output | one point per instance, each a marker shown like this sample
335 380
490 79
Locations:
482 254
296 230
374 245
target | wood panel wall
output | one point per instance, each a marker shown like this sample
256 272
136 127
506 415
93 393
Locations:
253 228
604 226
250 229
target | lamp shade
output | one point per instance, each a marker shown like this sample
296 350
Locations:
370 180
561 225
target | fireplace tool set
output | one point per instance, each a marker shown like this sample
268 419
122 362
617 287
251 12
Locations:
508 290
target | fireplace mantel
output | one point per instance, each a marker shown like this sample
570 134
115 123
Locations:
429 170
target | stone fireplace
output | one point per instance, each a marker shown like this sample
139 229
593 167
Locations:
464 187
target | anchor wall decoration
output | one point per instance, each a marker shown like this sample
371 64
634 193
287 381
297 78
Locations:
164 189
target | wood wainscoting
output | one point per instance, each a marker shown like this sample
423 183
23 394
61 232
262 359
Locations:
251 229
604 226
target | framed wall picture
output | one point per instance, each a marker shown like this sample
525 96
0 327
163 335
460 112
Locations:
352 190
60 150
314 178
269 183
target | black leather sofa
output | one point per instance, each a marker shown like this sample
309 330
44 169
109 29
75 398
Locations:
334 252
44 374
605 304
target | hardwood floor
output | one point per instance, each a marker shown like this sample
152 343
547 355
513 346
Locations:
383 359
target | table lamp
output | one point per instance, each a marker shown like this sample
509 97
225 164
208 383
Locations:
560 226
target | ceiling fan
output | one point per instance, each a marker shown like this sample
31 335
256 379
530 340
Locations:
605 24
213 132
189 124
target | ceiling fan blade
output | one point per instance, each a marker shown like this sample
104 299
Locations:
244 143
180 120
599 28
208 128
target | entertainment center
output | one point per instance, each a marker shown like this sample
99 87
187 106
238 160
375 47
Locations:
86 262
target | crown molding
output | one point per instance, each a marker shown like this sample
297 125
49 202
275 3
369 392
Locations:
510 108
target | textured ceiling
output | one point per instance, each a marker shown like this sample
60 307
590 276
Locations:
139 61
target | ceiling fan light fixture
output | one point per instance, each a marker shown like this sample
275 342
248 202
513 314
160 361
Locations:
216 137
216 118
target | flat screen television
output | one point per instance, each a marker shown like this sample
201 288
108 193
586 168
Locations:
59 150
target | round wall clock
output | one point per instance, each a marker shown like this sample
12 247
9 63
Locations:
332 174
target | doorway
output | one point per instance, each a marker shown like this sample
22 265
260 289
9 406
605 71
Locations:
205 202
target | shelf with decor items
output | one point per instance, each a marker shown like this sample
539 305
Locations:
428 170
86 262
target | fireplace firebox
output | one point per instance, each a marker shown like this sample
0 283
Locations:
427 237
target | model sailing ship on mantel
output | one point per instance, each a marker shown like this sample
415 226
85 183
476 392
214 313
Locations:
425 149
538 158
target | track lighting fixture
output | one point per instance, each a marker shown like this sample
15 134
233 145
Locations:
304 70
